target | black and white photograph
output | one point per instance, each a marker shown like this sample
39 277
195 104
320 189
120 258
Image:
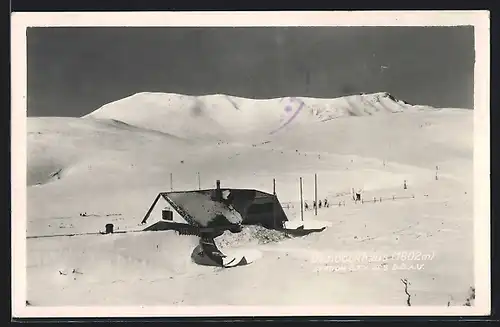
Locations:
273 162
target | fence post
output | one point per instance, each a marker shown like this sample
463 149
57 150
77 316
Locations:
316 194
301 202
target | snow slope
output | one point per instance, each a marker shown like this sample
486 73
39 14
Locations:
222 117
112 163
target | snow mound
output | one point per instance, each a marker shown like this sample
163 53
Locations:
222 116
249 235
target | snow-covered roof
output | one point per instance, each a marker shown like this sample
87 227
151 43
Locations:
202 207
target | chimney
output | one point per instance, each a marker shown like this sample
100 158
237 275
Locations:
218 192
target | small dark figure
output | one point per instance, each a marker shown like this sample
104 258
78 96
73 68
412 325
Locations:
314 204
326 203
358 196
404 185
306 206
320 204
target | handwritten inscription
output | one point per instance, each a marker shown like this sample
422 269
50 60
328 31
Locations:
397 260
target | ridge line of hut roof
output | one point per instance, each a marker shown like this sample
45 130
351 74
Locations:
213 189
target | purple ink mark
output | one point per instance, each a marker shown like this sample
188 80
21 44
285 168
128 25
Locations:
232 102
288 108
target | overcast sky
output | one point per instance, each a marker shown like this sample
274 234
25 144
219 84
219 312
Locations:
73 71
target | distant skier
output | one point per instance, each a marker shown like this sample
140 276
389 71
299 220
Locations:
314 205
319 204
326 203
306 206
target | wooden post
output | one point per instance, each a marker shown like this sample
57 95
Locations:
199 181
316 194
171 183
301 202
274 203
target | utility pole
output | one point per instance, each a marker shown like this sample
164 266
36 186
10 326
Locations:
171 183
316 194
301 202
274 203
199 181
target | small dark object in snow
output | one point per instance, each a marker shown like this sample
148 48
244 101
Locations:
109 228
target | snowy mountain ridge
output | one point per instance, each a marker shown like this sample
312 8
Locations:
224 115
